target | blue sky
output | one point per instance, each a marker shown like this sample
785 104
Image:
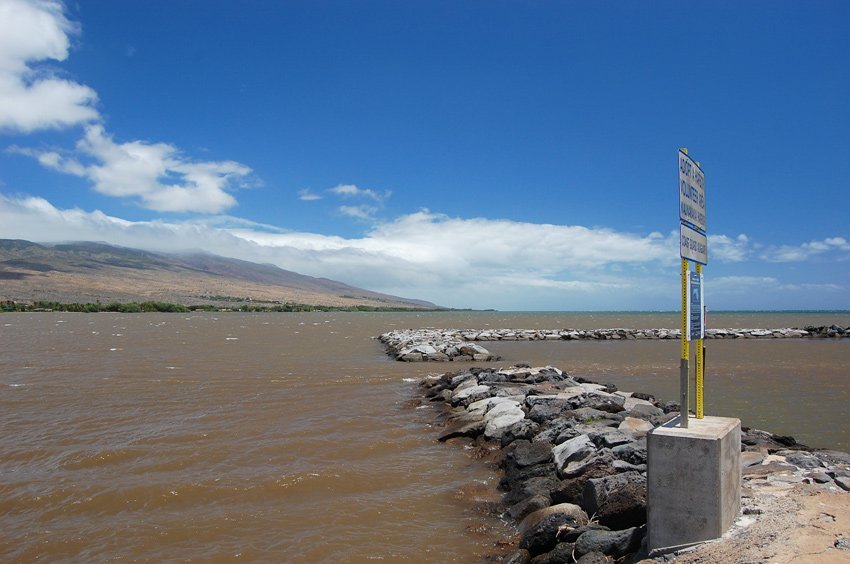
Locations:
509 155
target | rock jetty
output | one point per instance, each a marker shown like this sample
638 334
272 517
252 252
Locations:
574 458
422 345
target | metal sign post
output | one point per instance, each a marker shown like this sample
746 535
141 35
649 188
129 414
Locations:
693 246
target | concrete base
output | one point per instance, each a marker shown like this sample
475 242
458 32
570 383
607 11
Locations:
693 481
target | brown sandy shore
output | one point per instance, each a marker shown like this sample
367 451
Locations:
572 454
806 523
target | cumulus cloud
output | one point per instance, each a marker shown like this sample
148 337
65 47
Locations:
448 260
157 175
33 97
728 249
805 251
426 255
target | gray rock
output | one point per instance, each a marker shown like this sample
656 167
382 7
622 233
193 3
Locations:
528 454
573 450
497 426
843 482
820 477
623 466
467 429
461 378
801 459
645 411
633 453
609 438
618 501
832 457
410 357
768 469
580 467
554 400
472 349
585 414
554 428
503 407
526 507
534 486
525 429
470 394
594 558
561 554
520 556
541 413
609 403
751 458
613 543
540 529
572 536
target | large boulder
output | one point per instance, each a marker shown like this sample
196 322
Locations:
573 451
525 429
635 427
527 453
526 507
462 429
633 453
561 554
612 543
610 403
470 394
540 530
618 501
502 423
530 483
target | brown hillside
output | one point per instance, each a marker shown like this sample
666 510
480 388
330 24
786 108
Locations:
91 272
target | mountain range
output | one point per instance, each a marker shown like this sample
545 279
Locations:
83 272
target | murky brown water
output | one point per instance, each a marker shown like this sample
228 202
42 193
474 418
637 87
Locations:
286 437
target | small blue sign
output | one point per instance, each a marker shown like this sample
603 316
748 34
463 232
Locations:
696 322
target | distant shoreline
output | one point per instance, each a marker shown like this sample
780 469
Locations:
168 307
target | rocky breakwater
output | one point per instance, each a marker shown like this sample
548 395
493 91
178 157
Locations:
574 457
418 345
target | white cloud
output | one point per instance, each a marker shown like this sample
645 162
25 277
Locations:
33 98
358 212
352 191
306 195
157 175
727 249
451 261
805 251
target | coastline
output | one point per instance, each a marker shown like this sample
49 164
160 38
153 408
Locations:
573 458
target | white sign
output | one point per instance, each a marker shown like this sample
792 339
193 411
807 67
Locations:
696 319
693 245
691 192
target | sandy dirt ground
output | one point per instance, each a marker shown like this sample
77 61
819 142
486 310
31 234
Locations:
782 523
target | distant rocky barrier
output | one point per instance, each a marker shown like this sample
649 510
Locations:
574 458
420 345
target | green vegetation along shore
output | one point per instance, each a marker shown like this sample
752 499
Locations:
152 306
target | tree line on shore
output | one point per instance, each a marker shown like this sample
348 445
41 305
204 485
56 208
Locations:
166 307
